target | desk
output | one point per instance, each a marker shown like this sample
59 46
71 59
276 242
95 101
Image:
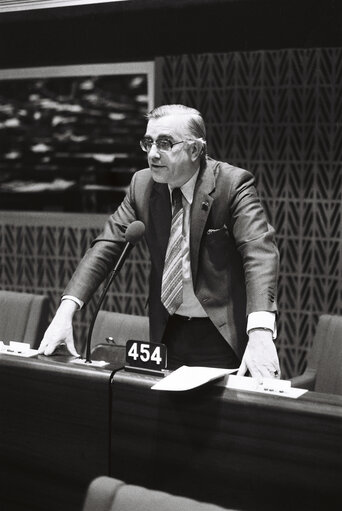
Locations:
236 448
54 432
62 424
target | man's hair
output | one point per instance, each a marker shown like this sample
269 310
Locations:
196 124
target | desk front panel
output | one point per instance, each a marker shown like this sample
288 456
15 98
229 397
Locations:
230 447
54 432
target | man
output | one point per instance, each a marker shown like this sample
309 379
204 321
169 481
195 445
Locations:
214 262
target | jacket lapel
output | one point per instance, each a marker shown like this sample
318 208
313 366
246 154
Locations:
200 210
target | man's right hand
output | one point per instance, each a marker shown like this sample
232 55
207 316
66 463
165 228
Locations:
60 330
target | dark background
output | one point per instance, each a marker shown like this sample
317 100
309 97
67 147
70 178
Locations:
145 29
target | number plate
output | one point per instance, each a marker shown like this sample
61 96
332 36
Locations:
146 355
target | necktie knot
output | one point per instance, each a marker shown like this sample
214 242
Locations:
177 199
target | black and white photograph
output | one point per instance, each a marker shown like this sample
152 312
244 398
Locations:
170 255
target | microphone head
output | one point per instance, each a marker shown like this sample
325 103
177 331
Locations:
134 232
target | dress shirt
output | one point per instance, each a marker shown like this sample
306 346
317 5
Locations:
79 302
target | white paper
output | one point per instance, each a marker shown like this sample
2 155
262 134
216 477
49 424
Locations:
94 363
187 378
294 393
271 386
17 349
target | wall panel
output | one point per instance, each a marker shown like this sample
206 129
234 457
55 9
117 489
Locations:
278 114
40 251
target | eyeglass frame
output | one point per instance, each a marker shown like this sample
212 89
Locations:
155 142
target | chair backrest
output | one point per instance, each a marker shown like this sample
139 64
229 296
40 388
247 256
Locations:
23 317
108 494
326 355
122 327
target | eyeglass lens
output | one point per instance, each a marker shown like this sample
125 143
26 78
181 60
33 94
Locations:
162 144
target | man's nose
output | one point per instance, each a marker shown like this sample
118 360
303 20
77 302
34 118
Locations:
153 152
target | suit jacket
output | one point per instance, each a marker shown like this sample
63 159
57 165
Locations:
234 259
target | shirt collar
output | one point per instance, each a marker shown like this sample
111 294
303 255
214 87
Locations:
189 187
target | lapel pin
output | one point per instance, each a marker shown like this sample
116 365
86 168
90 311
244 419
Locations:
205 205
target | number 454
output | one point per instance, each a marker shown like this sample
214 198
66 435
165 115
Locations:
145 353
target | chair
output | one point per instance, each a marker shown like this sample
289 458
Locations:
23 317
108 494
324 369
121 328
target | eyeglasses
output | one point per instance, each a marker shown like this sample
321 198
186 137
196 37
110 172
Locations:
162 144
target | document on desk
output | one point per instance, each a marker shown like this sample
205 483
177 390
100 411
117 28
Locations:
17 349
187 378
93 363
270 386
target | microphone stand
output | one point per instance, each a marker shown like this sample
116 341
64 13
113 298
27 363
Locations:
111 277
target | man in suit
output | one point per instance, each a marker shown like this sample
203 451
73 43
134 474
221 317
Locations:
214 262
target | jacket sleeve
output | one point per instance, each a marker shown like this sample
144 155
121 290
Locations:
255 240
99 260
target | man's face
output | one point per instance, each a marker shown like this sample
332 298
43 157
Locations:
174 167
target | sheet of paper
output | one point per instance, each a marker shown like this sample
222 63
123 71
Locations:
294 393
17 349
187 378
94 363
270 386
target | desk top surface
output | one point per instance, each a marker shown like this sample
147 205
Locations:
313 402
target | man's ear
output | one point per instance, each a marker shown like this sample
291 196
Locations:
195 149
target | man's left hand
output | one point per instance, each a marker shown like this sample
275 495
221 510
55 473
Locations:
260 357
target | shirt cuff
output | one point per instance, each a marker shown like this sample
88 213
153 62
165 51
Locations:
262 319
79 302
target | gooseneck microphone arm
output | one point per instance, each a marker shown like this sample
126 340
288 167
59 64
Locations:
113 274
134 233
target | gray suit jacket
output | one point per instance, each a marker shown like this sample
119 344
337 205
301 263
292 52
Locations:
234 259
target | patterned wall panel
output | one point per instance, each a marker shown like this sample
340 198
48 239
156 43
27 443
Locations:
279 114
39 253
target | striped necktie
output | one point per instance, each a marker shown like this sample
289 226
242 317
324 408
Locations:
172 281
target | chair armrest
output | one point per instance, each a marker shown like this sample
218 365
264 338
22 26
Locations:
101 494
305 381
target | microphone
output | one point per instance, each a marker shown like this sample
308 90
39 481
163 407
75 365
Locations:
134 233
